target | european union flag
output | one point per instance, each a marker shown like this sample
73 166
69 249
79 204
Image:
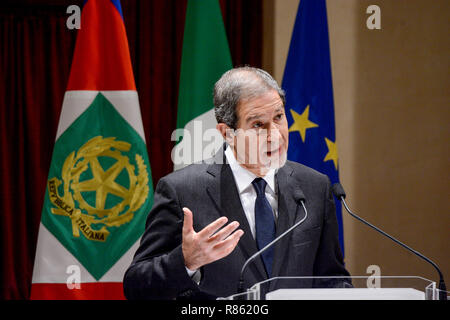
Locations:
309 95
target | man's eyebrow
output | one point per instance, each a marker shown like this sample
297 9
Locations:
280 108
253 117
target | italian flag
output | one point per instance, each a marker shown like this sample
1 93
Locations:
99 188
205 58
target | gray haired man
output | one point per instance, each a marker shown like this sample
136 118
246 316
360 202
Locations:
209 218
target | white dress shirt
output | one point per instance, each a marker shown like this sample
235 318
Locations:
247 192
247 195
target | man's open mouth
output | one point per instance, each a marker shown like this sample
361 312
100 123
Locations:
273 152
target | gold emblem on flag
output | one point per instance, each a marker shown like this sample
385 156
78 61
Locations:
103 182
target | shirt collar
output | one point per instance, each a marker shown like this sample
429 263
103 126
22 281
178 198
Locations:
244 177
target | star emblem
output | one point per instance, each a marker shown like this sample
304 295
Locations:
301 122
103 182
332 152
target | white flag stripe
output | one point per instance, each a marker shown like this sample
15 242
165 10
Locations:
117 271
126 102
52 260
74 104
197 145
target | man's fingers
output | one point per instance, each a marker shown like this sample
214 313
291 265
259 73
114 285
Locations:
225 232
188 221
207 231
228 245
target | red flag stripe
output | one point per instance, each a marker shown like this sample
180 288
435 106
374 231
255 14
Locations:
87 291
101 59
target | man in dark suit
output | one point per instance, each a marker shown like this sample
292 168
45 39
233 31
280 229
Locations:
189 250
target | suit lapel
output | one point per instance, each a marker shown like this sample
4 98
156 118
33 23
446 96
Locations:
287 211
223 191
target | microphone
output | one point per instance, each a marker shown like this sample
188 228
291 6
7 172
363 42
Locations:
298 196
339 192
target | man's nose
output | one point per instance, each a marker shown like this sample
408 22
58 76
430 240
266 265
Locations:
273 134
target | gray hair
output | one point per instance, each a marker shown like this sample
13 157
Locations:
240 84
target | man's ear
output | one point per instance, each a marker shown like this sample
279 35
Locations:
226 132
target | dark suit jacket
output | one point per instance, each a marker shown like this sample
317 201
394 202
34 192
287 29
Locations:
209 190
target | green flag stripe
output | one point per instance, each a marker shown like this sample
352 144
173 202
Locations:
205 58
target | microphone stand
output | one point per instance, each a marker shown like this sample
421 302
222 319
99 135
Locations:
241 279
442 285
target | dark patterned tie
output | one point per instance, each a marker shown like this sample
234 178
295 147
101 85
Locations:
264 223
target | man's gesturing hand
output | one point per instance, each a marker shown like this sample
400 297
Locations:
206 246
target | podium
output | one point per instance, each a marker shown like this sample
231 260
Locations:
342 288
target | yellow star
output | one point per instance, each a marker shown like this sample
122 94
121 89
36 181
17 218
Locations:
103 182
332 152
301 122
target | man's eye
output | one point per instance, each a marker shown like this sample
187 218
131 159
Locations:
257 125
278 116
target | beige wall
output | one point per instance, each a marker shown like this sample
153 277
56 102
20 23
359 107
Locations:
392 104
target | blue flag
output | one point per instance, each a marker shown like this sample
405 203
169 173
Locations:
309 95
